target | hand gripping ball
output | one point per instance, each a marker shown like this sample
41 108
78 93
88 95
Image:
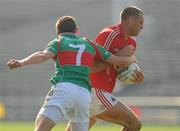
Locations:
125 74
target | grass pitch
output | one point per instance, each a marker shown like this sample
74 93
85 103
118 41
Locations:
28 126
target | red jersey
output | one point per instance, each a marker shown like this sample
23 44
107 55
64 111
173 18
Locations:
112 39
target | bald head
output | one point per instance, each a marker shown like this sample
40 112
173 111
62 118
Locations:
130 11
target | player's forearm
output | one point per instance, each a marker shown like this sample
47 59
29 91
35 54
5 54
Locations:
35 58
125 51
121 61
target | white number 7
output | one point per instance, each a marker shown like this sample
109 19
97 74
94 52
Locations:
81 49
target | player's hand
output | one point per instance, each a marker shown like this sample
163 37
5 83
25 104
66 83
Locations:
138 77
126 51
128 61
132 60
14 63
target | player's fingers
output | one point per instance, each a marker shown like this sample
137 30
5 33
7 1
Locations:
13 63
139 74
137 77
10 61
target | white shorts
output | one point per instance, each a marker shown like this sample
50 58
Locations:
72 100
101 101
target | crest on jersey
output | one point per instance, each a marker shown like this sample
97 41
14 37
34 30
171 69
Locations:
116 49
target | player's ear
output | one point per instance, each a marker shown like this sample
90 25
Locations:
57 33
77 31
130 20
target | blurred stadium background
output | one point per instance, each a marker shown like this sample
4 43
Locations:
27 26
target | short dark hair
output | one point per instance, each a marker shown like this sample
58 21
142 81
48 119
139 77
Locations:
130 11
66 24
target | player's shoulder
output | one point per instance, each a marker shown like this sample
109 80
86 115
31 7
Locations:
55 40
109 29
132 39
104 33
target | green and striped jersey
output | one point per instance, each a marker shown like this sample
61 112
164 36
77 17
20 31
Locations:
74 58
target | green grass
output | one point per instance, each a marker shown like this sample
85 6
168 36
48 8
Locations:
24 126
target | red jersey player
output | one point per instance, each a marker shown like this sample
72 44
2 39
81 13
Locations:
118 40
112 39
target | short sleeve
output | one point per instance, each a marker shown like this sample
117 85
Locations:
52 46
102 53
132 42
101 38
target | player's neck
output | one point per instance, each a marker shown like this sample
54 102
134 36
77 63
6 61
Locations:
126 36
125 31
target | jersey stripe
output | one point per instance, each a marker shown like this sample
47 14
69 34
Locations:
98 53
88 59
100 91
109 44
111 36
69 57
103 99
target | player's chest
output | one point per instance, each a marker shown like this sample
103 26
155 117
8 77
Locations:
117 44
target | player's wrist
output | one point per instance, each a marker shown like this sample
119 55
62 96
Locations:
127 61
22 63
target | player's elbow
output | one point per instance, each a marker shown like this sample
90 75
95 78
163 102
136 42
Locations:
42 56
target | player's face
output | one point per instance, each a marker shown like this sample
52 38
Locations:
137 25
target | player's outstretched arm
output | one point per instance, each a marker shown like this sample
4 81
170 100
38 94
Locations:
122 61
35 58
99 65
